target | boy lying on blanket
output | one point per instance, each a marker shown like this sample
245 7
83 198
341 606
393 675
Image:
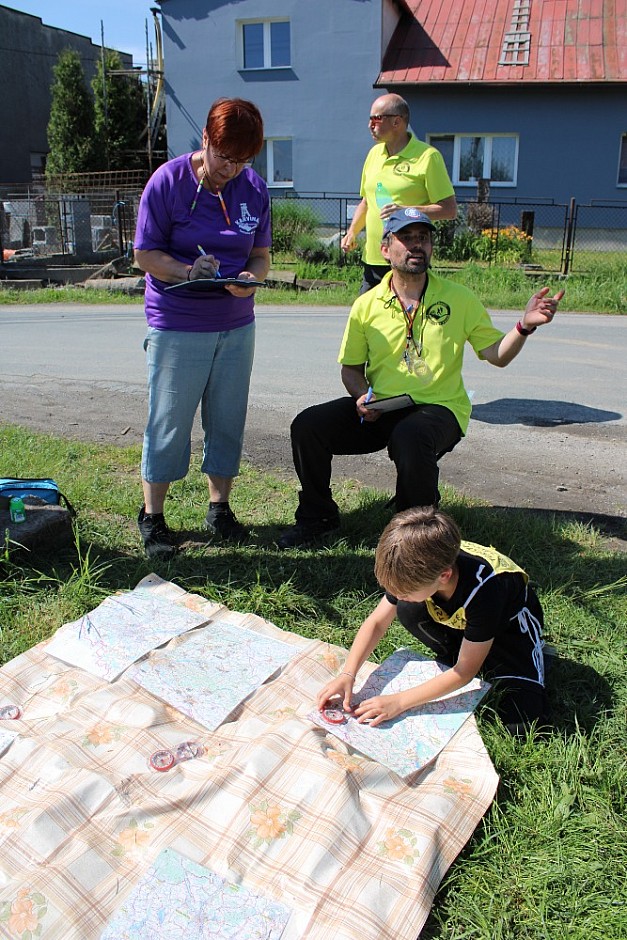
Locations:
471 605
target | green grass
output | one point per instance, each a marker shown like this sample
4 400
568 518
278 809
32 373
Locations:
601 288
603 291
66 295
548 861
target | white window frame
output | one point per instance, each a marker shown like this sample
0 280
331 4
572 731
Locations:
271 183
267 43
622 149
487 157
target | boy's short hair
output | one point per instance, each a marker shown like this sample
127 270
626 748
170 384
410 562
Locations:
415 548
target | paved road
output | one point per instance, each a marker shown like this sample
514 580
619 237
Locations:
547 432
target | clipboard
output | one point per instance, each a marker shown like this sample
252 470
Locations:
390 404
204 284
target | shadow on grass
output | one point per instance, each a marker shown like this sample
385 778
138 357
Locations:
535 539
326 590
580 697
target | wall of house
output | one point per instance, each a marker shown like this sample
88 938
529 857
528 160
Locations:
322 101
569 138
29 52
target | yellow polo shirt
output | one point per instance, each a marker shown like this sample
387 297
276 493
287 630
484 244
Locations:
417 176
449 316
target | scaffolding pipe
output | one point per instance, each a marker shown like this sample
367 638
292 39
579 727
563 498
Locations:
157 101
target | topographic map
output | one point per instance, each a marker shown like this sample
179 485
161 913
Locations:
410 741
177 898
105 641
211 671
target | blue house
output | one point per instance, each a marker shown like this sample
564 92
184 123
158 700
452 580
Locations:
528 94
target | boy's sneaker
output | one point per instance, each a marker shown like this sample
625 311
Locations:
221 521
158 539
306 533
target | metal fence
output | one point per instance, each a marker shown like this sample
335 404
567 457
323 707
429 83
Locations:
95 217
539 233
86 226
598 227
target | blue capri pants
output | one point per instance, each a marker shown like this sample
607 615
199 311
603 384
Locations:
190 369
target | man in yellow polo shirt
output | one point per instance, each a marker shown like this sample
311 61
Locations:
399 171
404 337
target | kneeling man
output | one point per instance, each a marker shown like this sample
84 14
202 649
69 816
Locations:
406 336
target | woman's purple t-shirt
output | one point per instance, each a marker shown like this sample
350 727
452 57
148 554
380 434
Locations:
165 222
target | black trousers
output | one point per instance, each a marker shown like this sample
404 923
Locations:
373 274
415 438
518 702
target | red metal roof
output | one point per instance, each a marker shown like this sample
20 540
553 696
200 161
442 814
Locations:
468 41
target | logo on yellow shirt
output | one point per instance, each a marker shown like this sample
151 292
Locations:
439 313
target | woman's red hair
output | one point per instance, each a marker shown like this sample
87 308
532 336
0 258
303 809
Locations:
235 128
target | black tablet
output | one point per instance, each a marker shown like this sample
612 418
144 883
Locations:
389 404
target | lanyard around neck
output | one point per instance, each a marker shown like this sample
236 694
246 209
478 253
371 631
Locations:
409 314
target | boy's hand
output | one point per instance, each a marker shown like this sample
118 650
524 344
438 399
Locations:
379 709
342 685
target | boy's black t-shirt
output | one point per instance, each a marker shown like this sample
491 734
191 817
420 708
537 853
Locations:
492 601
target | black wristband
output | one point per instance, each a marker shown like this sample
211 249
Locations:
523 331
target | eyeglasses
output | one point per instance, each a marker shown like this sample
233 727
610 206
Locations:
239 164
377 118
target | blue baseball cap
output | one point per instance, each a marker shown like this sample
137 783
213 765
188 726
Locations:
404 217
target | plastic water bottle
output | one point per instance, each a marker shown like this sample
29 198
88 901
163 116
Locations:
382 196
16 510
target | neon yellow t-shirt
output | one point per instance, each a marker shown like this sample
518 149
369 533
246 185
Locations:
449 316
417 176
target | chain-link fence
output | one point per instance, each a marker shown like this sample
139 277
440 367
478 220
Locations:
92 217
510 233
599 230
540 234
309 226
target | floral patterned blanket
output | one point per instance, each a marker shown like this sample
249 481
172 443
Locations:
102 794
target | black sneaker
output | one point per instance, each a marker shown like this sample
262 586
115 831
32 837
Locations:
158 539
306 533
221 521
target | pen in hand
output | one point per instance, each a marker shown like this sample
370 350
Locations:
204 253
366 400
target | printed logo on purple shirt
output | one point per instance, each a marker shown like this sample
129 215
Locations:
246 223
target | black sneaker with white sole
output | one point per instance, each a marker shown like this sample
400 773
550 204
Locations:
158 538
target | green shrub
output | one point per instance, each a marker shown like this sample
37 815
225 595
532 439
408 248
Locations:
502 245
462 246
289 220
506 245
312 249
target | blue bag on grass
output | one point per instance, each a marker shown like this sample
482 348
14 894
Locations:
41 487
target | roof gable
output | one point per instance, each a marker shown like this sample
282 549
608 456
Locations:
502 41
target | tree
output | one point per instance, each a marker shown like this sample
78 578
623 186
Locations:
120 116
71 124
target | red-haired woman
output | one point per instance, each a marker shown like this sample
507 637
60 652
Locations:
202 215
